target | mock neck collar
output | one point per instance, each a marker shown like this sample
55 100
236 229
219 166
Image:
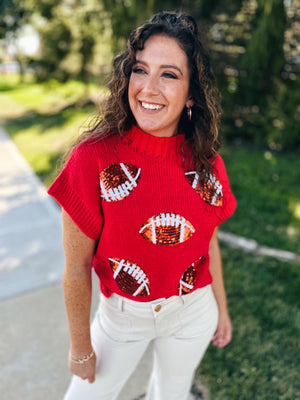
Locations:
153 145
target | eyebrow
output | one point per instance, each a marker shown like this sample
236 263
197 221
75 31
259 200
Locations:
162 66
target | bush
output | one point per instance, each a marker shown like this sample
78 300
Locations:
283 117
272 122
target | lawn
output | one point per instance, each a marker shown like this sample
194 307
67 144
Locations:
263 293
43 119
262 361
43 138
266 184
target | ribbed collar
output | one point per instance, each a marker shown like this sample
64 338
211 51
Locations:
153 145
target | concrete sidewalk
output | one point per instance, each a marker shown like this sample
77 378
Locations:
34 335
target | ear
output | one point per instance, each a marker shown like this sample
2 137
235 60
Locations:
190 102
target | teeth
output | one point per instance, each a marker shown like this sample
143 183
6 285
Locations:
151 106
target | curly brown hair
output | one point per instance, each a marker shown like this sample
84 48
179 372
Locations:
202 130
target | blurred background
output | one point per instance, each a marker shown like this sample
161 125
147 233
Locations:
55 59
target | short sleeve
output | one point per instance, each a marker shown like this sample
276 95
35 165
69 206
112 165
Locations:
76 189
229 202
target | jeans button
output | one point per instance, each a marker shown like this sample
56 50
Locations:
157 308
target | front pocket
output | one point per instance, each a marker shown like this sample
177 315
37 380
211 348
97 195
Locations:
199 318
115 324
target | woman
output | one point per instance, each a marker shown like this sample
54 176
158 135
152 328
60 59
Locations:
142 196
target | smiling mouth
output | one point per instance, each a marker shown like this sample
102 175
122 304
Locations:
150 106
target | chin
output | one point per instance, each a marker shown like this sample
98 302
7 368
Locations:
148 129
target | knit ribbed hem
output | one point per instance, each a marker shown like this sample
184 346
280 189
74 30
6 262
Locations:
77 210
154 145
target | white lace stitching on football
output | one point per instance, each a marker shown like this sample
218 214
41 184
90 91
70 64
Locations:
188 279
118 181
210 189
130 278
167 229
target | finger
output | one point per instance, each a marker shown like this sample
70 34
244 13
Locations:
216 335
228 335
224 341
92 377
216 342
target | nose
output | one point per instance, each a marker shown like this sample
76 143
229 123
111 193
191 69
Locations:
151 85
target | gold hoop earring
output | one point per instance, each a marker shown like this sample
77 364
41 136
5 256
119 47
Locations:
189 113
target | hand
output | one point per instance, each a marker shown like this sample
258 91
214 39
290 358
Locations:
223 333
86 370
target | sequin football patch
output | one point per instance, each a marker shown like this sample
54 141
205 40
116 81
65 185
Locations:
167 229
188 279
130 278
209 187
118 181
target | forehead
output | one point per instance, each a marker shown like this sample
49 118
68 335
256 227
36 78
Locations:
164 48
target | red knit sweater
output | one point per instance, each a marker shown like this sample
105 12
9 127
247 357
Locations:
153 217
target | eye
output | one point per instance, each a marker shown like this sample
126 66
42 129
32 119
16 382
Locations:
138 70
169 75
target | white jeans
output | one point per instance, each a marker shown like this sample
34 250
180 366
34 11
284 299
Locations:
181 328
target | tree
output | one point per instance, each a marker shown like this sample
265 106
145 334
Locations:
264 57
127 15
11 15
12 18
69 31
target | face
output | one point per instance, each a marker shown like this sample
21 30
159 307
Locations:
159 86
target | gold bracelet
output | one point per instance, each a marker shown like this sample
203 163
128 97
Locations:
82 360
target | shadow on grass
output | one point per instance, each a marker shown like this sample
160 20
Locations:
45 121
43 138
33 118
6 87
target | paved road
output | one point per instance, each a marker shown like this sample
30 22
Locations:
33 334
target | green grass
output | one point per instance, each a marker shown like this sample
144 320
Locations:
41 122
44 138
267 188
262 361
17 99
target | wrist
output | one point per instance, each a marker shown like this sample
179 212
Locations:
78 350
81 359
223 311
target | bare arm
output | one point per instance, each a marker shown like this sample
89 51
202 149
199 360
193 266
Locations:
77 284
223 333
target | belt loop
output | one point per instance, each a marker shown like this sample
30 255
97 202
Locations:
182 299
121 303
